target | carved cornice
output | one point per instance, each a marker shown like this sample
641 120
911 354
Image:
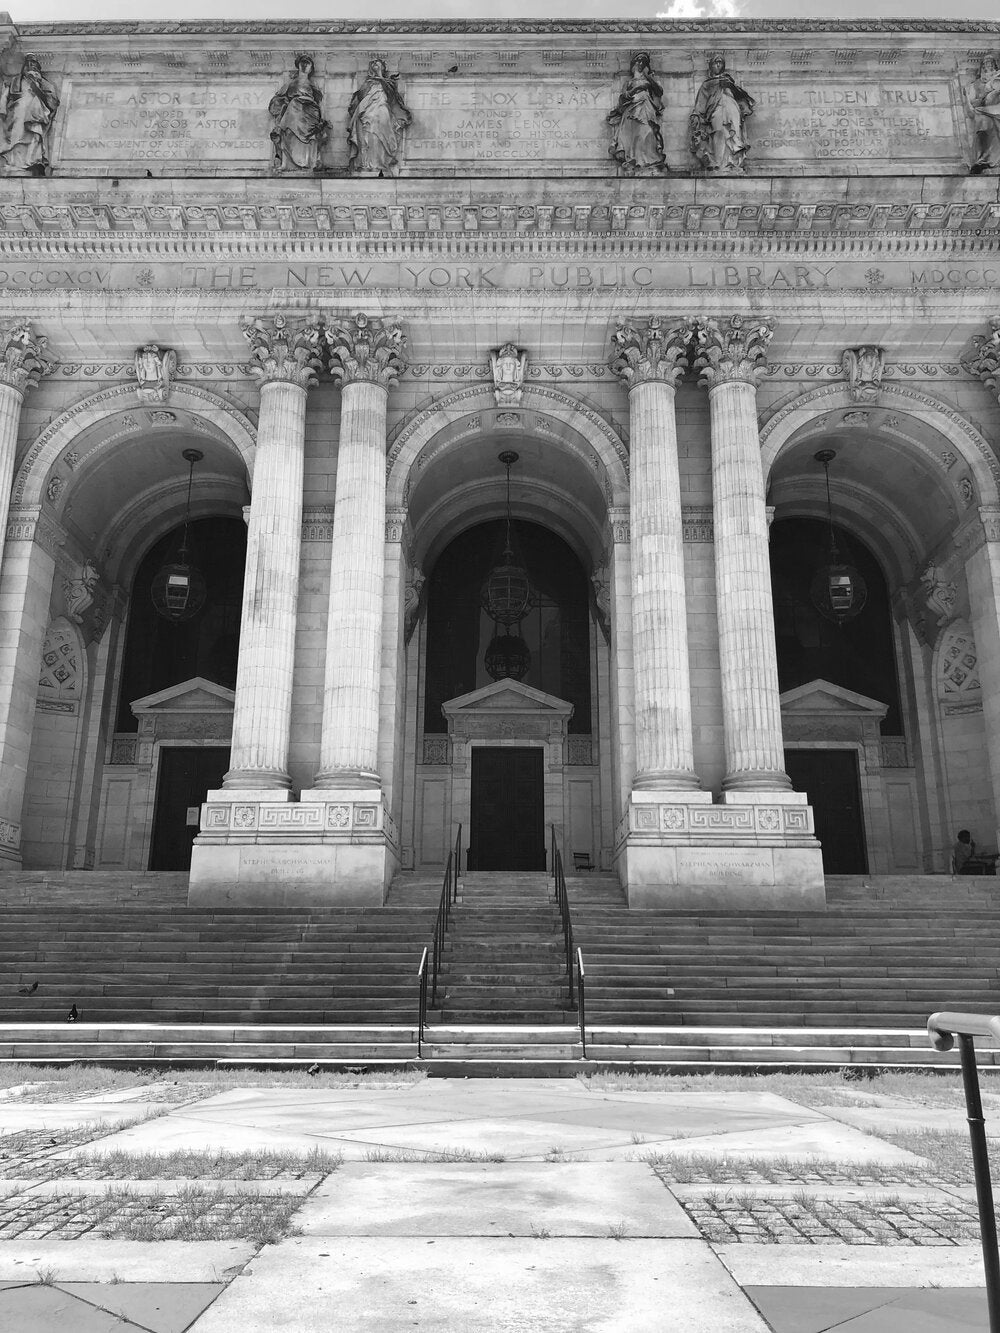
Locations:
366 350
283 351
29 523
655 353
735 352
24 358
985 360
959 221
442 27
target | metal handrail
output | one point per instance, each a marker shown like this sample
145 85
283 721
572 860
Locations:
422 1012
563 900
581 994
943 1028
435 950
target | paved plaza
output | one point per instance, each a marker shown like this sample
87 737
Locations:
476 1204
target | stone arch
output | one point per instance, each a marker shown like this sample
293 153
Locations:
208 411
543 410
967 442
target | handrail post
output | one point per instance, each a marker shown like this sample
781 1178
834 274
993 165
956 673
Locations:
981 1174
943 1028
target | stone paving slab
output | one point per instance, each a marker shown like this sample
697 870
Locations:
851 1266
43 1309
483 1286
87 1260
871 1310
886 1119
67 1115
451 1199
806 1140
163 1307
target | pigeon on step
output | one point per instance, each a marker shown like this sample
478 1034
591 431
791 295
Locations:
28 990
313 1070
73 1015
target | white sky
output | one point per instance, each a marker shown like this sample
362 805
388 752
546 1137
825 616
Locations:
63 10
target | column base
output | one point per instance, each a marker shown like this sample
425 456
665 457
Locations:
325 851
758 853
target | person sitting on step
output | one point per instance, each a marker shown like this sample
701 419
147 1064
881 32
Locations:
962 852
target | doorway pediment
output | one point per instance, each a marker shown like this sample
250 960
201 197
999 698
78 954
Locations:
822 697
196 695
507 710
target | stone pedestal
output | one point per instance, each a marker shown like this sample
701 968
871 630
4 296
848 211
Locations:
324 851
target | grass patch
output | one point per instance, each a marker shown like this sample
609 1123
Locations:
948 1150
942 1090
57 1083
432 1155
683 1168
190 1164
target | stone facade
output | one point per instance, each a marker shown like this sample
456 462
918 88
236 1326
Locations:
349 263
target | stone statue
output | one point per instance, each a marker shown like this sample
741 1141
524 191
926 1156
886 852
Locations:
154 367
299 130
939 592
376 118
864 368
508 366
79 591
412 603
982 101
636 138
28 106
717 130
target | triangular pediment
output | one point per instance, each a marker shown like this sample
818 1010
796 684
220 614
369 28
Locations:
822 696
506 696
196 695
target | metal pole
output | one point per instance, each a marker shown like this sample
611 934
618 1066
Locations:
981 1171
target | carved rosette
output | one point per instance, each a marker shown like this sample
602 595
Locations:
283 349
733 352
653 353
367 350
985 360
24 357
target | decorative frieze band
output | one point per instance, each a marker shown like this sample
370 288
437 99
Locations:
828 218
724 822
317 524
10 835
27 523
312 821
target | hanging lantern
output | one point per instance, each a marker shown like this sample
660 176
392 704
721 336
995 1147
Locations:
507 594
178 588
507 657
837 590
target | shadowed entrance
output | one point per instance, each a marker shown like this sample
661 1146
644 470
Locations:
508 817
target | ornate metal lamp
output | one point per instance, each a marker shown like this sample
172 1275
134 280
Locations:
506 596
178 588
838 591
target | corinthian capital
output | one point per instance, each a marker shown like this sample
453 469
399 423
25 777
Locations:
735 351
282 349
652 353
985 360
367 350
23 356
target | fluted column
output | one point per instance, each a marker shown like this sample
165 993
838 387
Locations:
23 361
650 362
731 359
367 358
284 358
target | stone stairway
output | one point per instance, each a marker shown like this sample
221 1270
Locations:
884 957
505 959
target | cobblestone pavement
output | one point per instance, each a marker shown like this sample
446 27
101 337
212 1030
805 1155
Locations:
192 1214
766 1220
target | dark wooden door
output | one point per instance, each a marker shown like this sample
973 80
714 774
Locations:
508 810
830 779
186 774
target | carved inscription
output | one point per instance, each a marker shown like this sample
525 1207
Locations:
169 122
856 121
526 120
